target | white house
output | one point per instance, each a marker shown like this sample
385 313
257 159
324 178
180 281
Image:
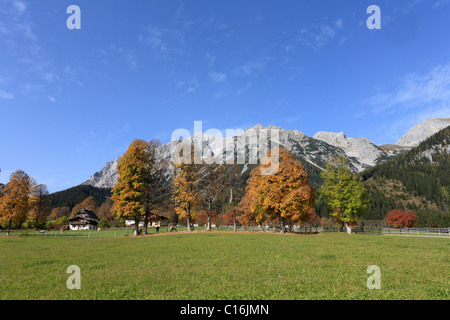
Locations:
84 220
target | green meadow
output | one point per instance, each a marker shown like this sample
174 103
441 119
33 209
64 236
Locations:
225 265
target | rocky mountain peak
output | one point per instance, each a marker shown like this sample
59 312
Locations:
422 131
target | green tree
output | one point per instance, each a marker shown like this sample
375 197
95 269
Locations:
345 194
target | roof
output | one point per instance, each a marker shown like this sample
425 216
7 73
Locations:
85 214
156 217
153 217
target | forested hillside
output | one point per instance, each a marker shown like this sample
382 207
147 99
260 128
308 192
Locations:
73 196
417 180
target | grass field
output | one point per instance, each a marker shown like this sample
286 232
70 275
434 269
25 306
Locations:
225 265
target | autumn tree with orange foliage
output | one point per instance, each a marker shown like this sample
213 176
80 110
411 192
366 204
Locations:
88 203
284 195
401 219
129 193
186 184
14 201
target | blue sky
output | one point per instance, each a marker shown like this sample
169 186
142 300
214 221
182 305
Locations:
71 100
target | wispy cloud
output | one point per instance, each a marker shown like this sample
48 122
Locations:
440 2
413 98
217 77
245 88
188 86
210 59
251 67
24 51
6 95
162 41
319 36
416 90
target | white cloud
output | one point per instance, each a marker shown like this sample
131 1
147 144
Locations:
416 90
251 67
414 98
440 3
320 36
130 58
6 95
20 7
243 89
188 86
210 59
217 77
162 41
52 99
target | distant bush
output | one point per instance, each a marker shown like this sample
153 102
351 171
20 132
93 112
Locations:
401 219
433 219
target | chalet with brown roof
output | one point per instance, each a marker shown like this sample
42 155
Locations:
84 220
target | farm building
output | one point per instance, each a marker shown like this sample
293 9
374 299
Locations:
84 220
154 221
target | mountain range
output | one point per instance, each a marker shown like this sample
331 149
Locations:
314 151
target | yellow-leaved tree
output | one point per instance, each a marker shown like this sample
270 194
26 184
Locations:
284 195
186 185
14 200
129 192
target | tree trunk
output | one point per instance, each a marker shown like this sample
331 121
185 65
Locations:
234 220
188 218
347 227
136 227
145 224
282 226
208 222
9 227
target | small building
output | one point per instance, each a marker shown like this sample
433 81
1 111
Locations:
154 221
84 220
